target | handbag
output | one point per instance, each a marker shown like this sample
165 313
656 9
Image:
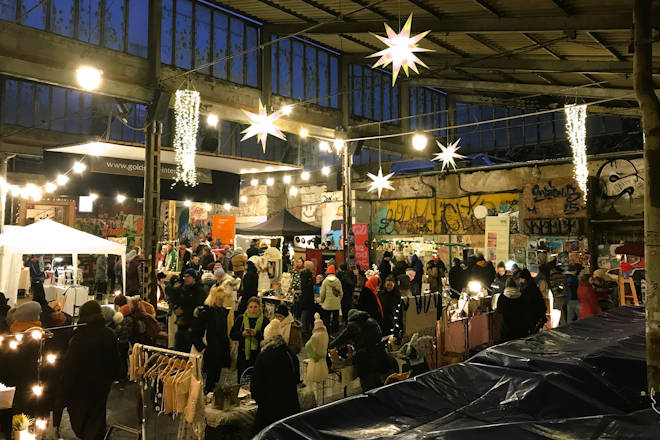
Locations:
295 337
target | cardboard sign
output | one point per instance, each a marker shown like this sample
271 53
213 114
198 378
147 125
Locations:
223 228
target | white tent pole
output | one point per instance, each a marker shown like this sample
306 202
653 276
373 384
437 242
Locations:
123 271
75 268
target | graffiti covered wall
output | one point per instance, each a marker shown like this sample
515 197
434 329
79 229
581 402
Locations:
440 216
620 189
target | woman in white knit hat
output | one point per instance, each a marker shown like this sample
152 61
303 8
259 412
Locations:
317 350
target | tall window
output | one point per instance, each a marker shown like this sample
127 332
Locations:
121 25
194 34
431 104
373 96
305 71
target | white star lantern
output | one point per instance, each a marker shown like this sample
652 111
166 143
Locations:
400 50
448 154
262 125
380 182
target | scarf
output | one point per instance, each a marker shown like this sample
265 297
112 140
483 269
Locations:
251 342
372 284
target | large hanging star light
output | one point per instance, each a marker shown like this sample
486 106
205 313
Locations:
262 125
448 154
380 182
400 50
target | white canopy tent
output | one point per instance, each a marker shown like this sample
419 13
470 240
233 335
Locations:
48 237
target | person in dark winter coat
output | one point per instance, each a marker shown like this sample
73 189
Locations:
185 300
417 265
515 314
362 331
211 321
248 330
4 309
37 277
253 249
370 302
250 286
500 278
402 280
390 299
482 271
435 269
373 365
534 302
90 366
348 282
275 379
133 273
457 278
385 268
307 305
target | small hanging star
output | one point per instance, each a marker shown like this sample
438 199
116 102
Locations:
262 125
400 50
448 154
380 182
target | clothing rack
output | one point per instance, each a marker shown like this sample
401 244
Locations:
197 371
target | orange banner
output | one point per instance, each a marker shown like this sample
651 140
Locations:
223 228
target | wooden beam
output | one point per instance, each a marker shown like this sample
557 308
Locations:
488 7
598 39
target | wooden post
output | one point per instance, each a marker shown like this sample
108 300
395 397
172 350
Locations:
650 107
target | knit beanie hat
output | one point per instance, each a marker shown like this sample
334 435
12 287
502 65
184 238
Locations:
273 329
318 322
283 310
189 272
108 314
28 312
118 317
90 312
330 269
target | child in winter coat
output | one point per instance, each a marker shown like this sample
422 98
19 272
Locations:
317 350
330 296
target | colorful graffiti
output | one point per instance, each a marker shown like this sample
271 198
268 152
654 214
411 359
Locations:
439 216
121 225
620 188
555 198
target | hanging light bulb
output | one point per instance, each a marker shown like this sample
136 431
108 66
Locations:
293 191
286 179
121 198
93 196
89 77
339 145
304 175
62 179
243 199
36 334
324 146
95 148
51 358
207 207
270 181
79 167
13 344
287 109
269 169
254 182
227 206
50 187
15 190
187 203
304 133
38 390
41 424
419 142
19 337
325 171
212 120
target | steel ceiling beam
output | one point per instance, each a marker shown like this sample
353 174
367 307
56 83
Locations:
580 22
597 38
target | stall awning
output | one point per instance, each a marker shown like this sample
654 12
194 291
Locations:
281 224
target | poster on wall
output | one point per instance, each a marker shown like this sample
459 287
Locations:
361 235
497 238
332 216
223 228
200 224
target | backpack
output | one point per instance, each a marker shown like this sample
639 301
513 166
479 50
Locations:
295 337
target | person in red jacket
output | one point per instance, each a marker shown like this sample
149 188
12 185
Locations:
587 297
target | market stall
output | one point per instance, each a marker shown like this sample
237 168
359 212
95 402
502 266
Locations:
283 224
48 237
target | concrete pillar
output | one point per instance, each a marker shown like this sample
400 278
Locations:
347 157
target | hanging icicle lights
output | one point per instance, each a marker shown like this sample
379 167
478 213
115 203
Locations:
576 128
186 122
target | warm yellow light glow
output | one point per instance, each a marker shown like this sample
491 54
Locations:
339 145
38 390
212 120
79 167
419 142
287 109
227 206
13 345
286 179
269 169
270 181
62 179
325 171
15 190
93 196
304 175
36 334
117 292
474 286
293 191
324 146
243 171
207 207
187 203
89 77
243 199
51 358
41 424
19 337
304 133
121 198
254 182
95 149
576 129
50 187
